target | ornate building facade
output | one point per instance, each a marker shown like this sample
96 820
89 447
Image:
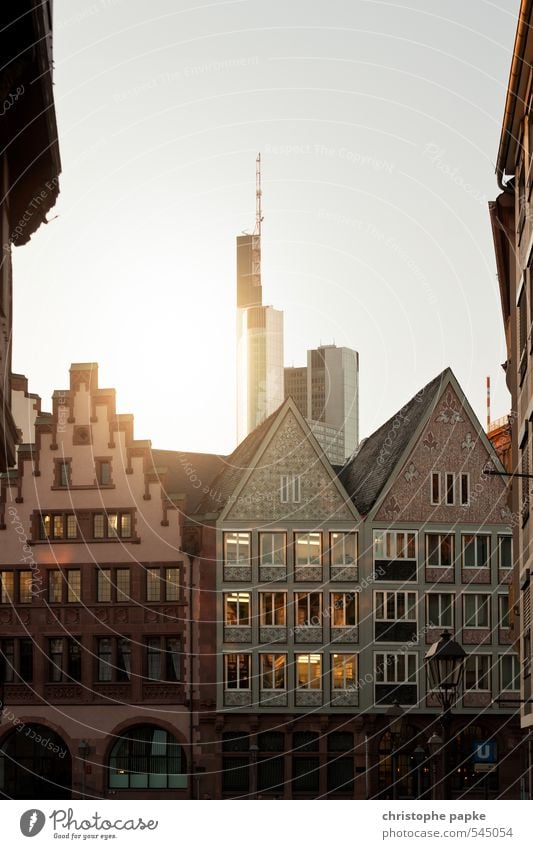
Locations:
94 600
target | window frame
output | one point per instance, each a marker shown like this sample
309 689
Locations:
333 608
318 661
396 594
475 537
333 545
434 594
246 677
344 655
441 536
272 672
477 657
263 614
487 597
295 539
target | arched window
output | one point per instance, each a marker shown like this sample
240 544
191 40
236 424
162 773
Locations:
147 757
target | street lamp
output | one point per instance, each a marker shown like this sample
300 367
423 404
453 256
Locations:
419 757
395 716
445 661
434 746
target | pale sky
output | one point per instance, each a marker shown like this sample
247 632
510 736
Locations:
378 125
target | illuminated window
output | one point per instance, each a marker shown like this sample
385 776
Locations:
98 525
308 549
236 547
273 671
344 609
172 587
308 609
7 587
309 671
237 608
123 584
272 549
25 587
343 548
237 671
103 589
344 671
73 585
55 586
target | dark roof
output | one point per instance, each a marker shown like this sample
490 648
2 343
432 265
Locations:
367 472
188 472
234 466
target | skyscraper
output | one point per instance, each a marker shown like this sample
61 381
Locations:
259 334
327 394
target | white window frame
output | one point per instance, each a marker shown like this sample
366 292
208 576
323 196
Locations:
477 595
462 477
237 598
396 594
262 535
344 534
342 607
502 597
513 657
412 658
238 654
451 607
298 534
476 657
237 561
263 613
290 488
463 551
263 689
432 477
308 593
346 686
308 685
441 535
502 537
381 537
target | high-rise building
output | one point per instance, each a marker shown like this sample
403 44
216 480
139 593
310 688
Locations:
327 393
259 334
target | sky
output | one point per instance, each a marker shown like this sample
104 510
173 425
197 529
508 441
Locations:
378 125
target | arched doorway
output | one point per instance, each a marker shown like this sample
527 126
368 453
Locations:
146 757
35 763
400 775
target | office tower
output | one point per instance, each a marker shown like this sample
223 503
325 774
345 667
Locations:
327 393
259 334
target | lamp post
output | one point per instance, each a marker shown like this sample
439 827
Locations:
435 746
445 661
419 757
83 752
395 715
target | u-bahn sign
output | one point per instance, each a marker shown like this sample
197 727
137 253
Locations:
484 755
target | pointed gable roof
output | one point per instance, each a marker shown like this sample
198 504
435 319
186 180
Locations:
366 474
234 466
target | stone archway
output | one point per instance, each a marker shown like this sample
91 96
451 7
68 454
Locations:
35 763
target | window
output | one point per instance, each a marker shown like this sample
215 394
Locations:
522 334
55 586
147 757
343 548
343 609
162 584
163 658
18 656
450 488
308 609
440 608
394 545
476 610
7 587
272 549
64 656
509 672
113 584
112 525
273 671
465 490
308 549
477 672
309 671
476 551
236 548
395 668
503 610
505 552
103 472
435 488
63 473
235 767
271 762
57 526
237 671
439 549
305 764
113 658
25 587
237 609
290 488
343 671
73 585
103 587
123 584
395 606
272 609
